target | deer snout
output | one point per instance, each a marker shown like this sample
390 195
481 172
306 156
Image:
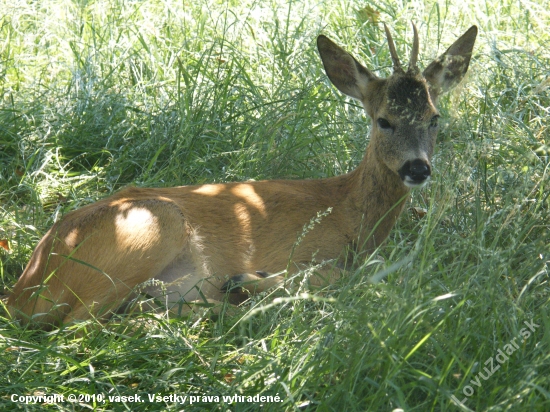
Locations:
415 173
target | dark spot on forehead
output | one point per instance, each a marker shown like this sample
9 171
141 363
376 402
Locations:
408 95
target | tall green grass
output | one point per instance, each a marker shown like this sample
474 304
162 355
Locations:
97 95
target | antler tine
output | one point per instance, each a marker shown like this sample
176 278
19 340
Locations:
393 52
414 51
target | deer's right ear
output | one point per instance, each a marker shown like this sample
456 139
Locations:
346 73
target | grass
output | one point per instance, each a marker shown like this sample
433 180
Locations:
98 95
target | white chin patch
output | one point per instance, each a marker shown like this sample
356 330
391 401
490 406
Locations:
413 184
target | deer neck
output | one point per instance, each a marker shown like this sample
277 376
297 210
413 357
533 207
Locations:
377 196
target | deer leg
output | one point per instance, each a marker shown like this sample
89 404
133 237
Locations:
253 283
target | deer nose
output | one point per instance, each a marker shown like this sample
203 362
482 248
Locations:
415 173
419 170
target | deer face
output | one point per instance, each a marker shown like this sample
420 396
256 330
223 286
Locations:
402 106
405 125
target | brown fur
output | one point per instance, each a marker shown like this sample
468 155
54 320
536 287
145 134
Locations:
196 238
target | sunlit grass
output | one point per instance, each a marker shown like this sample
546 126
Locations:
98 95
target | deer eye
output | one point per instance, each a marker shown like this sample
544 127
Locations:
383 123
434 121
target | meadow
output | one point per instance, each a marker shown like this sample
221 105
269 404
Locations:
451 313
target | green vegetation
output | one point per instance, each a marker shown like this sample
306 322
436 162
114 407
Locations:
97 95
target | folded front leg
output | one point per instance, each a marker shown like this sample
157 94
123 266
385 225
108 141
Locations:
252 283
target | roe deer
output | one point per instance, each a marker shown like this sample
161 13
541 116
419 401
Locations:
204 241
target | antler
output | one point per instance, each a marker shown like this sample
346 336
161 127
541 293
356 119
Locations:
414 51
393 52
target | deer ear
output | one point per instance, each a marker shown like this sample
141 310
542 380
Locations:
447 70
346 73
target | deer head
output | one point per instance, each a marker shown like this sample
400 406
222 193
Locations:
402 106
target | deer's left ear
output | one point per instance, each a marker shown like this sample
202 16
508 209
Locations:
447 70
